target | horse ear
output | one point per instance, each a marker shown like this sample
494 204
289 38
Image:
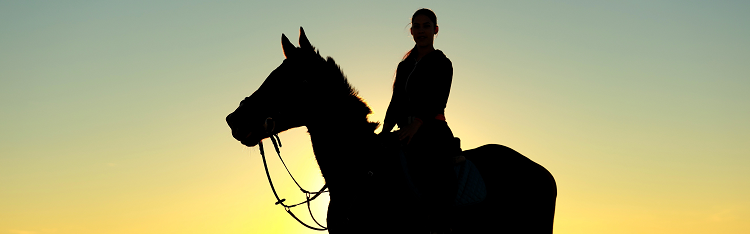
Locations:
303 42
287 46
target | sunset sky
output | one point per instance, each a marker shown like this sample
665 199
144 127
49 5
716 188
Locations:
113 112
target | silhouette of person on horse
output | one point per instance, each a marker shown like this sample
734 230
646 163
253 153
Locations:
420 94
369 176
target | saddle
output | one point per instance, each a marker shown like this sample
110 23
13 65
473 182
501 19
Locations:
470 187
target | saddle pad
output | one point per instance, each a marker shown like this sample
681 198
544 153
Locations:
471 188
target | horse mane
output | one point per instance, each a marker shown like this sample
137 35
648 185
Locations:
358 106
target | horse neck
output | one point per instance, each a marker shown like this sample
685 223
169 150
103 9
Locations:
342 126
339 144
332 138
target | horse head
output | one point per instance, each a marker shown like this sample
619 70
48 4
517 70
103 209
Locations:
300 90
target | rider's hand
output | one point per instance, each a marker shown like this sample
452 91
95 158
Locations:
408 132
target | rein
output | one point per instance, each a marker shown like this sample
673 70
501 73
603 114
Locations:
280 201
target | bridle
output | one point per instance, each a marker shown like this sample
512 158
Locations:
279 201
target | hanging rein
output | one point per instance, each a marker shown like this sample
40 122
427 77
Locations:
279 201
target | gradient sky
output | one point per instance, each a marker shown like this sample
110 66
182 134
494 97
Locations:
113 112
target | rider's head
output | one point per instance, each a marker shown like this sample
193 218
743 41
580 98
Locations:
424 27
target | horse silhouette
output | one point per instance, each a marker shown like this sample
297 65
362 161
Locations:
363 170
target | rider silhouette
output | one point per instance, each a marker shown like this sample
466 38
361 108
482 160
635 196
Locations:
420 93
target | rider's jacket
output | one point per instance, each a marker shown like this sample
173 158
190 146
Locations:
421 89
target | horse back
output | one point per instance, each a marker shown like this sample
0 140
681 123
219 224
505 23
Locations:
521 193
